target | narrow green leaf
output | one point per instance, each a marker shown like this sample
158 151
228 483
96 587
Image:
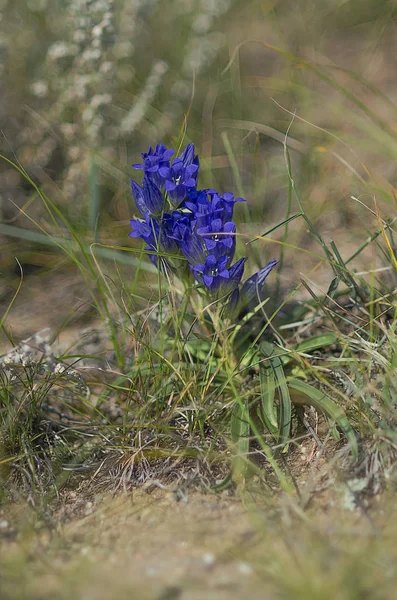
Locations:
240 432
317 341
346 275
269 231
268 387
94 200
284 412
324 404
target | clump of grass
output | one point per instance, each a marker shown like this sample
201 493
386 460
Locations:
174 394
167 389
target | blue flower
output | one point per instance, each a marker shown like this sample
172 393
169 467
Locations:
149 231
217 278
219 239
207 205
156 237
224 202
191 231
193 248
181 176
203 208
249 291
178 225
148 197
153 161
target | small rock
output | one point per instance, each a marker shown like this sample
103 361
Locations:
244 568
208 559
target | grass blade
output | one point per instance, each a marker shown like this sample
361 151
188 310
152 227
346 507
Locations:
240 432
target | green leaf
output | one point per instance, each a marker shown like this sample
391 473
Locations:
317 341
267 411
324 404
284 409
240 432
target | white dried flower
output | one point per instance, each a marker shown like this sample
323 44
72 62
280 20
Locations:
74 153
88 115
106 67
40 88
138 111
97 31
202 50
79 36
100 99
95 127
91 54
123 49
202 23
60 50
68 130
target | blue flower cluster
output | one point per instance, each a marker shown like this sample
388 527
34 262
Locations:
191 231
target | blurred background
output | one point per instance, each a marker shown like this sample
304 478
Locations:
86 85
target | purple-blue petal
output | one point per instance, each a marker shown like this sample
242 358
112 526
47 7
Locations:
237 270
153 197
170 186
165 172
137 192
187 155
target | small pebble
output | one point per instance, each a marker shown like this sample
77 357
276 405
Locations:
208 559
4 524
89 509
244 568
151 571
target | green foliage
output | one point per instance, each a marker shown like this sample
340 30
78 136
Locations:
275 380
296 135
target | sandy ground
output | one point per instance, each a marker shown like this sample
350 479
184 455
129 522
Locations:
149 546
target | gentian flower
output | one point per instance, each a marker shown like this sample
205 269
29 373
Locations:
208 205
153 161
193 248
148 197
216 238
226 202
181 176
178 225
204 210
249 291
217 278
149 231
197 225
155 236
